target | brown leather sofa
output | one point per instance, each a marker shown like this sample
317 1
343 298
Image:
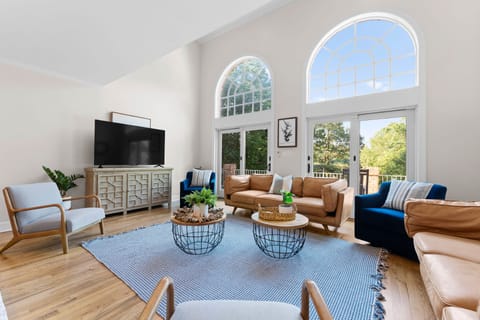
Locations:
325 201
446 236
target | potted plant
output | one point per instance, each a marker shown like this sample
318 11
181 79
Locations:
287 199
63 182
202 199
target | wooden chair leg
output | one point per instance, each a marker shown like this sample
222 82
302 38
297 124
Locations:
234 209
10 243
101 227
64 239
326 227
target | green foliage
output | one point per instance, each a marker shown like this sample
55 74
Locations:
63 182
205 196
331 149
387 150
287 197
256 150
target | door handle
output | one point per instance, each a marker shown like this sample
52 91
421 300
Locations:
308 168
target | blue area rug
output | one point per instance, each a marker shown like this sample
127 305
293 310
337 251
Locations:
237 269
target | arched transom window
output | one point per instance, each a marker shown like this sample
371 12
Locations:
363 57
247 88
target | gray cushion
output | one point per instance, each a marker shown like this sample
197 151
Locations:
235 309
75 219
35 194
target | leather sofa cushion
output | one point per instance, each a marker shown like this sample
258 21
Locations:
312 187
428 242
457 218
330 193
247 196
311 206
297 186
269 200
453 281
454 313
261 182
237 183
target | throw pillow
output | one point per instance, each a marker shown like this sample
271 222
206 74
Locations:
402 190
200 178
280 183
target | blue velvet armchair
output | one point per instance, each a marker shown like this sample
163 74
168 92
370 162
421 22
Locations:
384 227
187 188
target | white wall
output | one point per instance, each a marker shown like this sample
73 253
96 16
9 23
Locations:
285 39
49 121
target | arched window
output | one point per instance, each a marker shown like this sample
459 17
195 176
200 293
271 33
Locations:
363 56
246 88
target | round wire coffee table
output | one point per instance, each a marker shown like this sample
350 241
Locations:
280 239
198 238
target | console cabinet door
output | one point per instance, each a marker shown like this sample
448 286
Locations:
138 184
111 191
161 188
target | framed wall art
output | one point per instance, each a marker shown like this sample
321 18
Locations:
287 132
130 119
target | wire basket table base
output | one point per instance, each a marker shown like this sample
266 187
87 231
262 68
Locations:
198 239
279 243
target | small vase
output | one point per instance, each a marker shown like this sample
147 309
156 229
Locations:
285 208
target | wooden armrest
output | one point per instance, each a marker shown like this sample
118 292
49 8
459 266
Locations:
164 285
88 196
310 290
40 207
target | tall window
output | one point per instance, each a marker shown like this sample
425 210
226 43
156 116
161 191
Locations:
247 88
363 57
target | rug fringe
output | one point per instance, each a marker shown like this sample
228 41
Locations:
382 266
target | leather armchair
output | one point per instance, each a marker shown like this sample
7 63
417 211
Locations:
384 227
186 187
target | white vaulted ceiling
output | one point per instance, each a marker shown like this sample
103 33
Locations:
98 41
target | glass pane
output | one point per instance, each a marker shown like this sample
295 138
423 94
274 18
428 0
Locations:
248 108
331 149
256 151
383 152
230 154
403 81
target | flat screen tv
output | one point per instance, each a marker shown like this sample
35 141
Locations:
123 144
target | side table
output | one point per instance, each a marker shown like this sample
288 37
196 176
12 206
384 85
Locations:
280 239
198 238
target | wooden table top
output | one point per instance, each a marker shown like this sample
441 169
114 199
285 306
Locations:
299 222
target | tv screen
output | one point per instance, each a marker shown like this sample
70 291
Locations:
123 144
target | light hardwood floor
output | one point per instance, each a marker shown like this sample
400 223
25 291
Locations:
37 281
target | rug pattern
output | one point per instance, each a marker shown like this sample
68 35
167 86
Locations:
237 269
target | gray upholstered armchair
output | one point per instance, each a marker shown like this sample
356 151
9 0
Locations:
235 309
36 210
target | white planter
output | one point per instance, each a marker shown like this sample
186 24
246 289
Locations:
285 208
203 209
67 204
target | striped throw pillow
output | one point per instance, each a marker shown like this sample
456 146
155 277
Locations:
403 190
201 178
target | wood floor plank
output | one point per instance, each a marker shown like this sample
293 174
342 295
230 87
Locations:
38 281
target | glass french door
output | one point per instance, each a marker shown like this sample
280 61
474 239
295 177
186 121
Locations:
244 151
364 149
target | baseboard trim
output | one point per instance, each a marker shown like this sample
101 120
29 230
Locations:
5 226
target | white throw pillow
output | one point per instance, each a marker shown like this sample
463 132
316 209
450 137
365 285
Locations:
201 178
402 190
280 183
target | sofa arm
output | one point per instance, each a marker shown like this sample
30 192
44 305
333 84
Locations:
344 205
184 184
373 200
456 218
235 183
